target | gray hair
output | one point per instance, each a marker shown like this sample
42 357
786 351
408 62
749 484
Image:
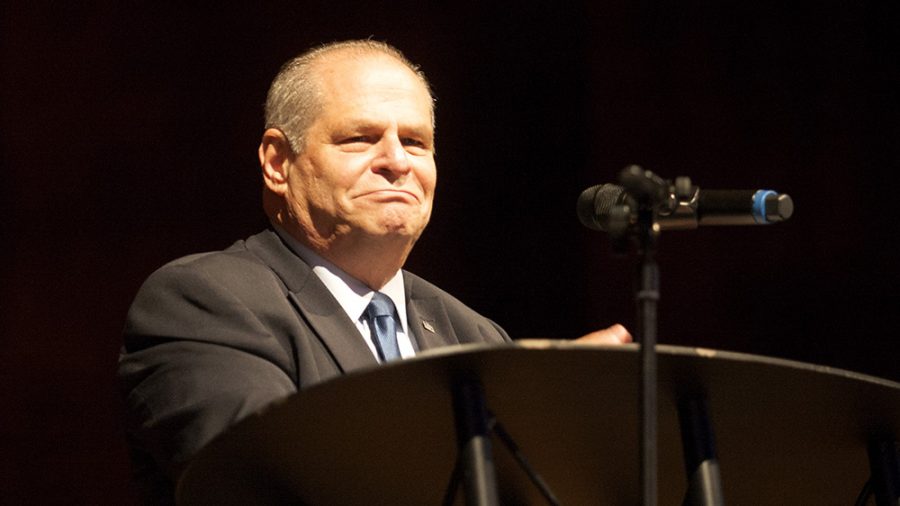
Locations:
294 99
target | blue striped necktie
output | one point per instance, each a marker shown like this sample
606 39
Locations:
380 313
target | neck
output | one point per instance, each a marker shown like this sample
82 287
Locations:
371 260
374 262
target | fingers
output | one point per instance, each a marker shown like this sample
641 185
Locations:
620 333
616 334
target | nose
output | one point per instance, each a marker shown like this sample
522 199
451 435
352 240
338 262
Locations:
392 161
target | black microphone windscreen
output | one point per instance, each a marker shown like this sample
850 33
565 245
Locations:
595 204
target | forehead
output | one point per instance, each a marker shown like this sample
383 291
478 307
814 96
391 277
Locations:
373 84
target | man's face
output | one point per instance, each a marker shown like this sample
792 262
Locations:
367 167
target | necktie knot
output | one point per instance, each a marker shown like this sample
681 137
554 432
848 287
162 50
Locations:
380 313
381 305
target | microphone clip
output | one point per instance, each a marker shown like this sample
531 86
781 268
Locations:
648 196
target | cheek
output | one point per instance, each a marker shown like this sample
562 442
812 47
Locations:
339 176
428 179
308 195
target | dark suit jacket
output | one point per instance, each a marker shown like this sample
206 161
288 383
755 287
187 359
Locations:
213 337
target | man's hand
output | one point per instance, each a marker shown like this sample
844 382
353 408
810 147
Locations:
616 334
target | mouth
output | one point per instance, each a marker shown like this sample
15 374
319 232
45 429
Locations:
393 195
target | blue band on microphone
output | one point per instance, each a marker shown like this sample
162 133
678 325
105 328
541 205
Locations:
759 205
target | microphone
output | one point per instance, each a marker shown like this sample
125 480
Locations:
604 207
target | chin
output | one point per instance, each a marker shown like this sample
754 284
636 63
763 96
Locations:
401 223
399 228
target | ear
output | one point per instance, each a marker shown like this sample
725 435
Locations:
275 158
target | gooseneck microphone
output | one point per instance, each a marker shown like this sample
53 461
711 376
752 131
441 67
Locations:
601 207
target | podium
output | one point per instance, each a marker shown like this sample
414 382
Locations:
786 432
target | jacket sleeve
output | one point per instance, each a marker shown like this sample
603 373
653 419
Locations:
196 360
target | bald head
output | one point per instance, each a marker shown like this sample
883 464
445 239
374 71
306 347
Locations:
295 96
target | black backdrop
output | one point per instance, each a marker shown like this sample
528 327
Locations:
129 135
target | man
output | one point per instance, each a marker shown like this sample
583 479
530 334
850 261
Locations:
349 177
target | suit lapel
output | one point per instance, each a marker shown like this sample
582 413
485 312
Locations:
427 318
317 307
332 326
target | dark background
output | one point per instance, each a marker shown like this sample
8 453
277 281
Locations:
129 136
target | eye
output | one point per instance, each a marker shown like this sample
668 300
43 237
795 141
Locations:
410 141
355 143
356 139
415 145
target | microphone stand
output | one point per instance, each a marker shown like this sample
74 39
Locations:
647 297
649 192
637 217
